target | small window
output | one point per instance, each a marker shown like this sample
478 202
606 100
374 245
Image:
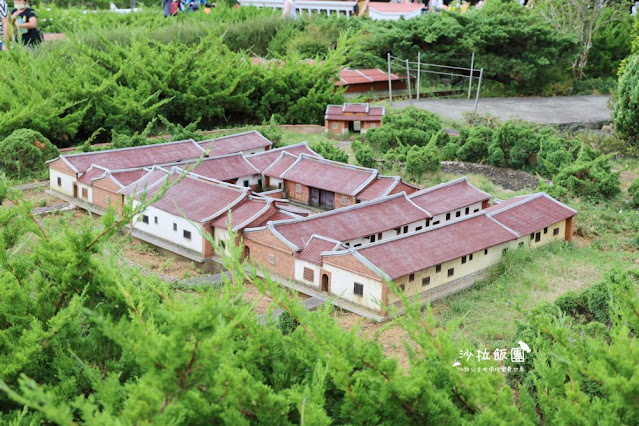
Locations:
145 219
309 274
373 125
545 230
175 227
411 277
155 219
438 268
538 237
447 216
397 231
379 236
271 259
106 199
59 181
358 245
555 231
405 229
475 211
425 281
259 183
436 222
335 126
419 228
485 251
521 244
298 188
85 193
373 238
428 222
402 287
222 245
187 234
279 185
463 259
344 199
451 272
532 236
358 289
470 257
457 214
467 210
504 251
246 183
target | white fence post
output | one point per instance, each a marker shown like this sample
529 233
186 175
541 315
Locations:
481 74
470 80
390 86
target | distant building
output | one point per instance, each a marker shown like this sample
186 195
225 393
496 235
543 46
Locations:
352 117
368 80
383 11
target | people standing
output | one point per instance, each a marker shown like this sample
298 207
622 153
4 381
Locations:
26 23
4 24
290 10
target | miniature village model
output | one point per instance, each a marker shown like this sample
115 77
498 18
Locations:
318 226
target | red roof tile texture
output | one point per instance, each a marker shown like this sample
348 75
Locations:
92 173
225 168
149 180
280 165
381 186
350 76
414 252
142 156
347 113
240 142
352 222
329 176
127 178
242 213
264 159
448 197
314 249
534 213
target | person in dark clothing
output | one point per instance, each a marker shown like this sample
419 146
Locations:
26 24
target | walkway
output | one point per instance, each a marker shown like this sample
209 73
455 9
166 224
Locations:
564 110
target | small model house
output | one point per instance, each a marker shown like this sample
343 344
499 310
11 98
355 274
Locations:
352 118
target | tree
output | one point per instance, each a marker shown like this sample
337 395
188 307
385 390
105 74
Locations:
329 150
626 113
23 153
420 160
581 18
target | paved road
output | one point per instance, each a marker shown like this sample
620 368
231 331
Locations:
555 110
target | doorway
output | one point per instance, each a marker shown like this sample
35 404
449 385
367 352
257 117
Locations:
325 283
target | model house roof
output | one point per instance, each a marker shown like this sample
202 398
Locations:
197 200
127 177
312 252
448 196
94 172
239 142
380 187
409 253
153 177
354 112
530 214
262 160
351 76
351 222
245 214
226 167
329 175
292 209
279 166
134 157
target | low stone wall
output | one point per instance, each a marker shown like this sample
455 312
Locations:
515 180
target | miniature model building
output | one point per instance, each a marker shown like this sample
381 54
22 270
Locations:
352 118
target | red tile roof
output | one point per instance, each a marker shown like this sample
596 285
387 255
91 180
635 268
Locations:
152 178
293 209
351 222
279 166
380 187
262 160
239 142
139 156
414 252
281 215
329 175
128 177
504 203
448 196
244 214
198 200
94 172
354 112
531 214
395 7
350 76
312 252
227 167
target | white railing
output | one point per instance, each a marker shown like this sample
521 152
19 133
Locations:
329 7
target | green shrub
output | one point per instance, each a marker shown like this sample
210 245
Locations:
568 303
23 153
409 126
626 112
364 155
598 301
286 323
449 151
633 191
330 151
518 140
420 160
475 149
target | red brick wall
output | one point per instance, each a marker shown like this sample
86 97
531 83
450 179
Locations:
376 86
302 197
207 247
401 186
341 125
348 262
107 188
62 167
262 245
568 235
338 201
367 124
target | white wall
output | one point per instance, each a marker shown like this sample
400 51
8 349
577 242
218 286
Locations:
82 186
441 218
299 272
274 182
252 180
342 284
67 182
387 234
164 228
222 235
